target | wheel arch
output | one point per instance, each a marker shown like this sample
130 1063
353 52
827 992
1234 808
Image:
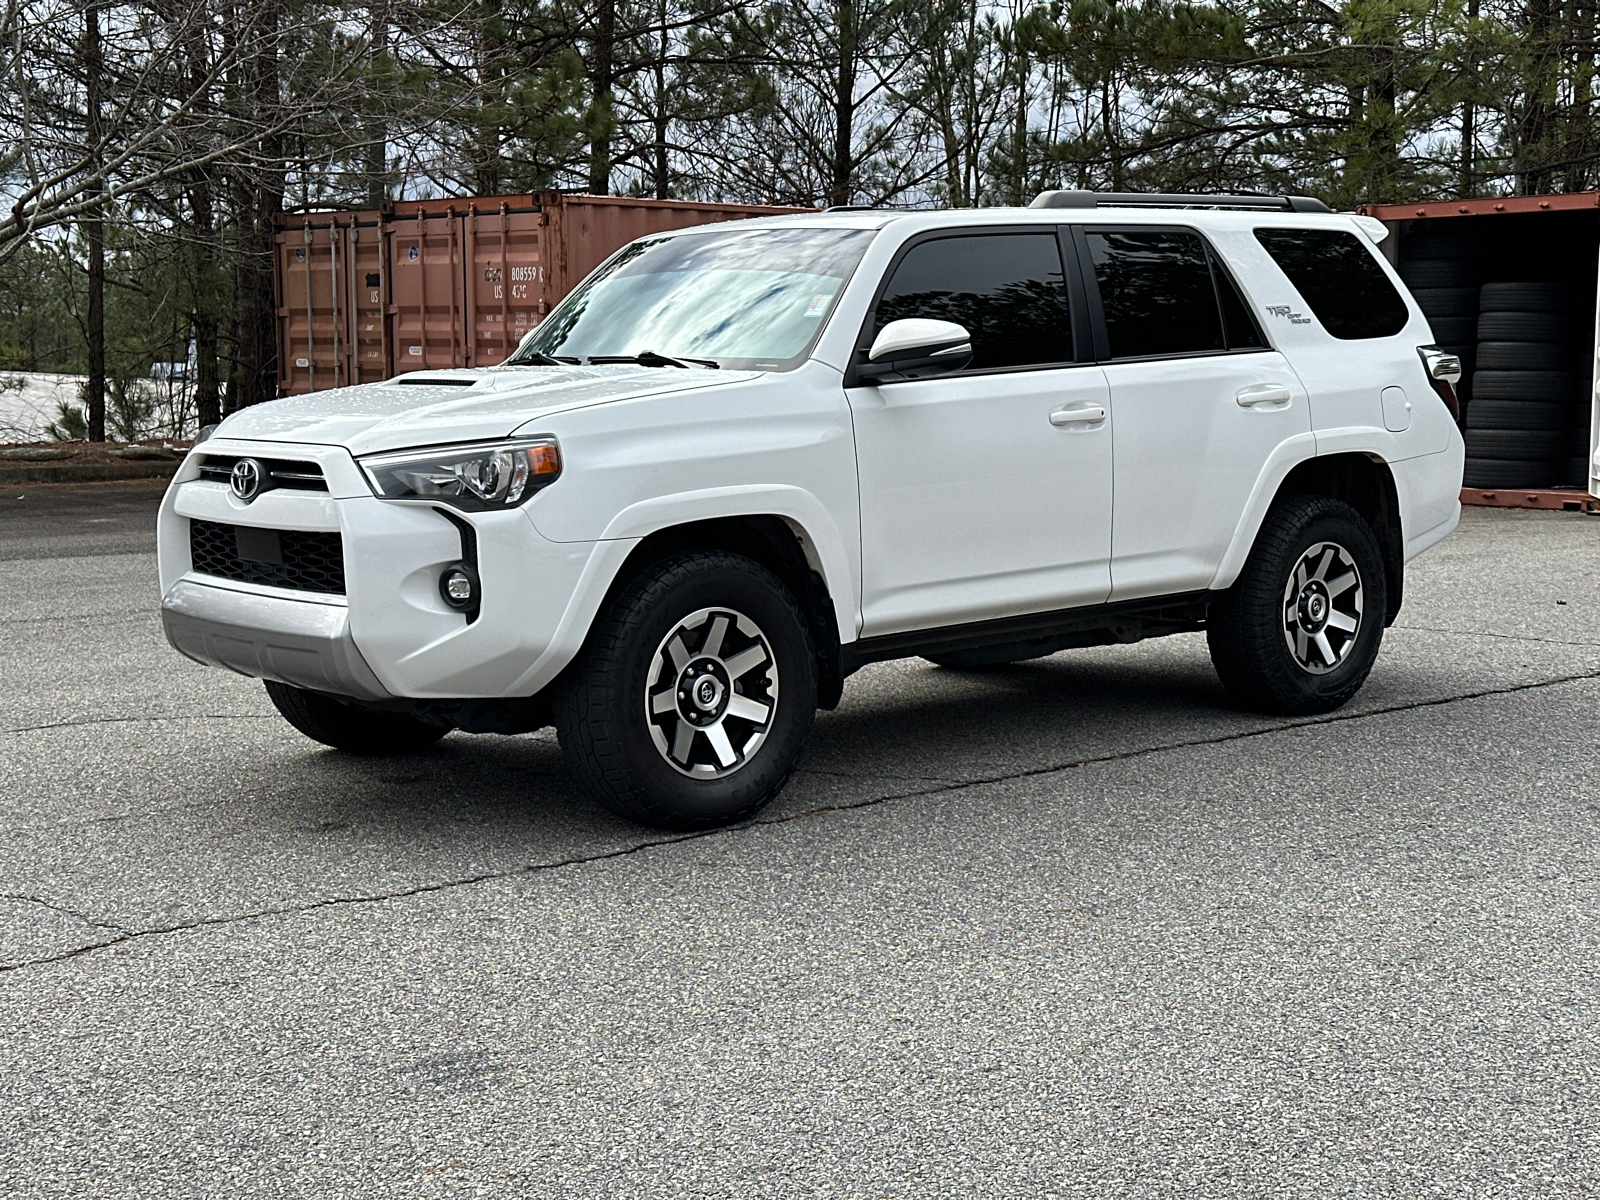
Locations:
1366 483
778 542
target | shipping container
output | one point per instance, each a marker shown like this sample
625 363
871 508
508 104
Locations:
363 295
1510 284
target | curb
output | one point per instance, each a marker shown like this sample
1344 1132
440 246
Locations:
87 473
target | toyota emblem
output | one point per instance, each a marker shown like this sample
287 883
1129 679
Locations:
246 479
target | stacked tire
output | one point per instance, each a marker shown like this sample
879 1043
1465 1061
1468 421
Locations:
1518 426
1441 269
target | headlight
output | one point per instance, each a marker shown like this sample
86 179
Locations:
477 478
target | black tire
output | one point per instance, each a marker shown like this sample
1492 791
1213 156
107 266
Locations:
1508 473
1526 445
1454 331
1523 356
1516 414
1522 327
1439 273
1437 245
347 726
1247 628
1523 297
1549 387
1447 302
1575 470
601 700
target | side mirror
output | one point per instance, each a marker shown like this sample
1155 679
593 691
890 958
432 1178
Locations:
915 348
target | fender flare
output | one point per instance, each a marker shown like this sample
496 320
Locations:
813 526
1285 457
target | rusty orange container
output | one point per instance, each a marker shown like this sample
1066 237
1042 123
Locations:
330 278
363 295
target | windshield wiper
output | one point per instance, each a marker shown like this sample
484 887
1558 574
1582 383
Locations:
538 359
649 358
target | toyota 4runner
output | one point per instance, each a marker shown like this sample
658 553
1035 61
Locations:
738 463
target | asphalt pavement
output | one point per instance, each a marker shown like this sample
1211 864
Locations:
1075 927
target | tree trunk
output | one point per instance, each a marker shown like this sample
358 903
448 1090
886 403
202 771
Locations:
94 232
260 201
601 79
1383 155
842 169
203 319
202 257
1465 184
377 149
1538 117
1108 130
1019 127
663 178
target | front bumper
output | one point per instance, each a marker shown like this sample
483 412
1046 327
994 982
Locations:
390 635
269 637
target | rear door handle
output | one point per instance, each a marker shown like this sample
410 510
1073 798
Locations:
1263 393
1086 415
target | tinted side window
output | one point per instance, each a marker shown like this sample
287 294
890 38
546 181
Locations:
1006 289
1239 326
1340 279
1156 290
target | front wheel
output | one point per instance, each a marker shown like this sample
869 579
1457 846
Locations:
689 705
349 727
1299 630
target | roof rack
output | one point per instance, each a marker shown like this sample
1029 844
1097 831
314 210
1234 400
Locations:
1078 199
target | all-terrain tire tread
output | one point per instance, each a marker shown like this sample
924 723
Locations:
344 727
589 693
1244 648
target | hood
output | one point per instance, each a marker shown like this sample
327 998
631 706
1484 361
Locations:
429 408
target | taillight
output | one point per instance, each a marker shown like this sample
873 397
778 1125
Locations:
1444 373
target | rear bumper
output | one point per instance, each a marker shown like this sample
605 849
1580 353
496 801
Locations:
292 641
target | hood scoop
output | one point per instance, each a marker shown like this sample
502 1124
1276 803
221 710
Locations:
445 381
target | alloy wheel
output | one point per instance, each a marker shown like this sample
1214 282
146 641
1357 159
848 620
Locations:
1322 607
711 693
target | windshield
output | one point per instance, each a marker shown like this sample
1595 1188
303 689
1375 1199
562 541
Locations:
752 299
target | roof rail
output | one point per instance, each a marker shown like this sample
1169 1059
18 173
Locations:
1078 199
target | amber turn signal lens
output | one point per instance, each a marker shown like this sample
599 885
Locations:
544 460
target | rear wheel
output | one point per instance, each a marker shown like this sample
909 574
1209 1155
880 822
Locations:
1299 630
689 706
345 726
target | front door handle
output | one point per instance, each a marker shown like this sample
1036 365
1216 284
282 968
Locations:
1088 414
1263 393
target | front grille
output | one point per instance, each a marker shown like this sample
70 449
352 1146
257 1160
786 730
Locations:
287 558
275 472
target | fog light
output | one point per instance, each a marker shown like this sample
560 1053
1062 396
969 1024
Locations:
459 586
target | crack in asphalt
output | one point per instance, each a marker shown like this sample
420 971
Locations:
131 935
1509 637
132 720
61 908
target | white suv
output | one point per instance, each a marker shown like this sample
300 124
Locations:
738 463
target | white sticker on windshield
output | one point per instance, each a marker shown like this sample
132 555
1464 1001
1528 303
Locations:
818 306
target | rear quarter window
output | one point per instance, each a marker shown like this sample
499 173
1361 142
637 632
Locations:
1340 280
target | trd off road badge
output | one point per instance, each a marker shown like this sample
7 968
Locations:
1283 310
